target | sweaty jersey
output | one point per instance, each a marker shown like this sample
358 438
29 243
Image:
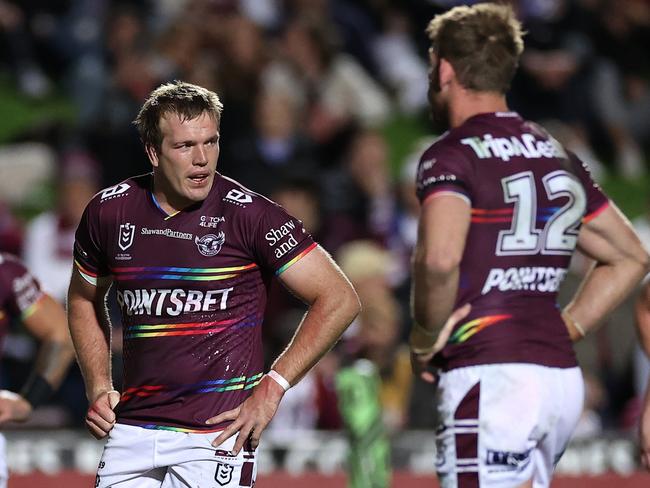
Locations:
192 291
528 199
19 292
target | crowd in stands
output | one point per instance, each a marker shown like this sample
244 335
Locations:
325 111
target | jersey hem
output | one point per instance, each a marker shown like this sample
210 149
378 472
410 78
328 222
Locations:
171 428
461 363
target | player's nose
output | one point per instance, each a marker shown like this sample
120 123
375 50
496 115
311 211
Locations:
199 156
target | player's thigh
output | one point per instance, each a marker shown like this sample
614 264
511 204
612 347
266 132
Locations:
458 401
4 472
565 407
491 419
127 460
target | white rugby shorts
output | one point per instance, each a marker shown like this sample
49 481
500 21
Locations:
4 472
135 457
501 425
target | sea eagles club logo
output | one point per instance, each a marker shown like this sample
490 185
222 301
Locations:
125 238
210 244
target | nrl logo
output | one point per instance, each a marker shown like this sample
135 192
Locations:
223 474
210 244
126 235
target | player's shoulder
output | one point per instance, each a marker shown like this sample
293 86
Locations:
239 199
444 154
124 193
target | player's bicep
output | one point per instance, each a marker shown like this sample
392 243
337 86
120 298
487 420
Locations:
609 237
81 290
444 223
313 276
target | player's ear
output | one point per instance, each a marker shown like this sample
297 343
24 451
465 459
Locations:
152 154
446 72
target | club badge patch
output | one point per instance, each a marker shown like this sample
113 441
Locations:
210 244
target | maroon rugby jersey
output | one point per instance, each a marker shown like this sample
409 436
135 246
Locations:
529 197
192 291
19 292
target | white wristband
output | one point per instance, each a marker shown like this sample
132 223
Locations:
279 379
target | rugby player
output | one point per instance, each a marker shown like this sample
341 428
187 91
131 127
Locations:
21 298
191 253
503 208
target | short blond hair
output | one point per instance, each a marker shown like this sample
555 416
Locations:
483 43
185 99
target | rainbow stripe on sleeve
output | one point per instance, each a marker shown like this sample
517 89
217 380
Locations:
87 275
283 268
595 213
176 273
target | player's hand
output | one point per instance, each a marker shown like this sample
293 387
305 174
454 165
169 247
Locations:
100 417
251 417
420 362
13 407
644 433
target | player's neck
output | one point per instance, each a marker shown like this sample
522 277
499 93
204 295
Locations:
165 197
467 103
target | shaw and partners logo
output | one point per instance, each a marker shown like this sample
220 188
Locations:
275 235
126 236
166 233
210 244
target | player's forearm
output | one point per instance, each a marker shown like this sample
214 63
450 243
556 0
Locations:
433 295
54 358
49 324
92 346
322 325
603 289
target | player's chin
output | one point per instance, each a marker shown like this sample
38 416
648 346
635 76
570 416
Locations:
198 191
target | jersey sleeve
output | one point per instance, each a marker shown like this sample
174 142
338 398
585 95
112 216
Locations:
443 169
597 201
89 255
21 292
280 240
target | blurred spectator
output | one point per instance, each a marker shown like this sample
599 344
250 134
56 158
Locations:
400 66
363 188
31 79
621 88
49 238
374 335
556 70
330 88
275 152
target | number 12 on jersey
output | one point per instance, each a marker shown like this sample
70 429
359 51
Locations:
560 233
